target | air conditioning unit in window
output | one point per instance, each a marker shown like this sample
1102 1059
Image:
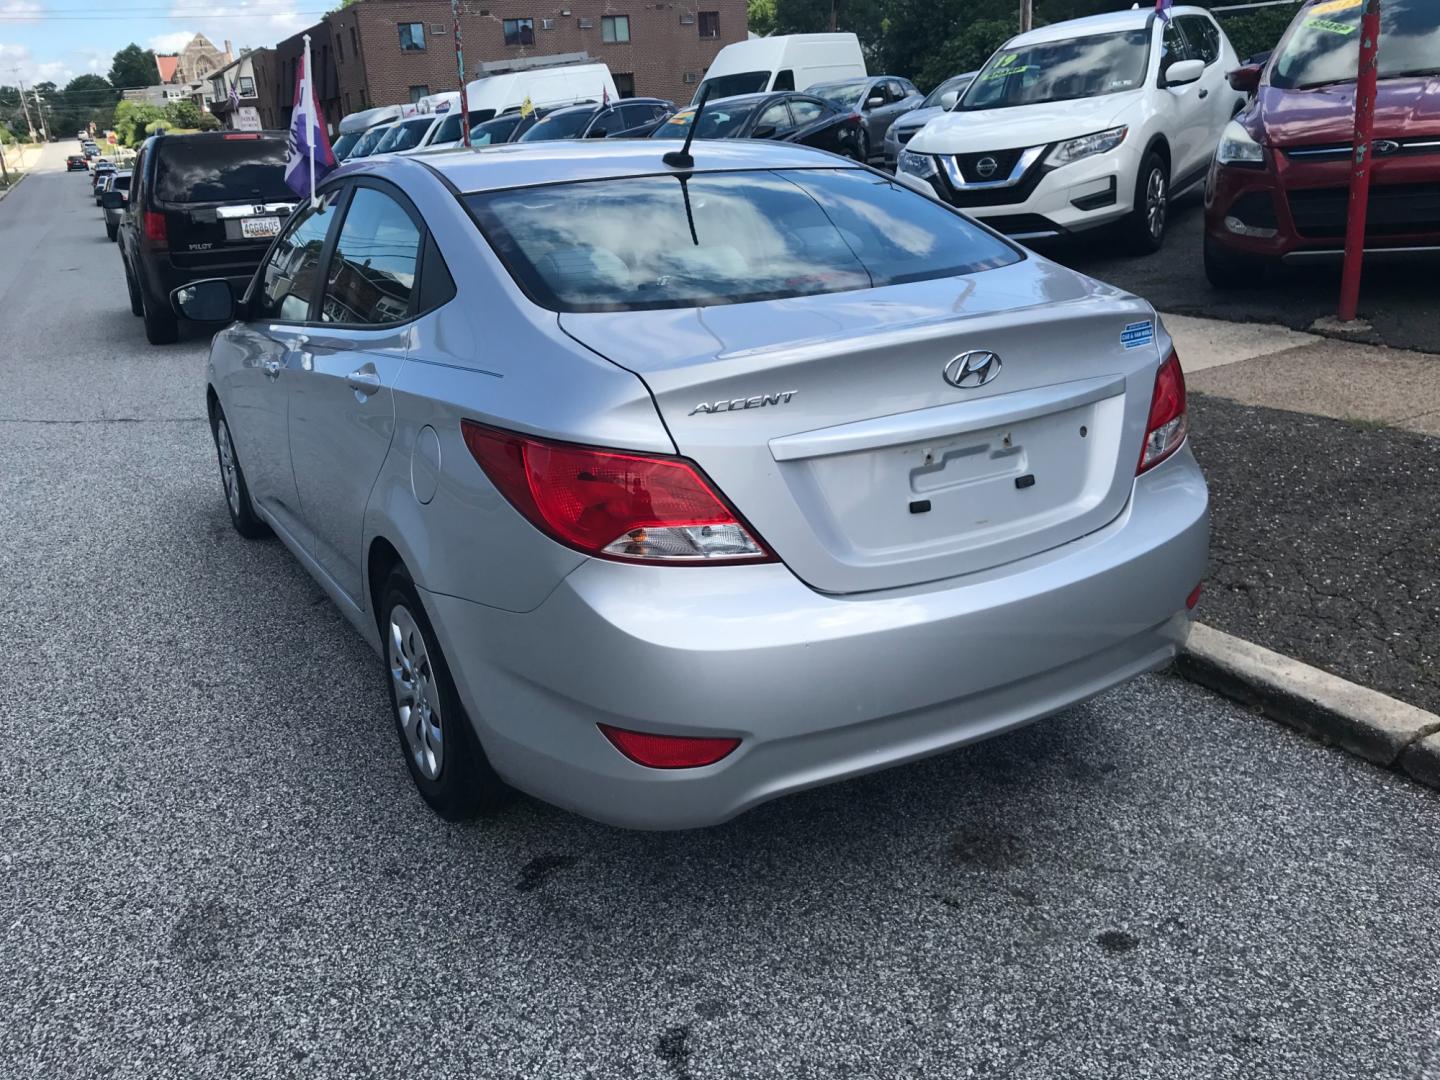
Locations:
547 24
438 29
587 24
687 19
691 78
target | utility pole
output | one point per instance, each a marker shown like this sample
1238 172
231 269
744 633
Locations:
1027 16
40 114
24 104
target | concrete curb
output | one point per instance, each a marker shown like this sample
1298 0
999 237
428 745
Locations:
1324 706
13 184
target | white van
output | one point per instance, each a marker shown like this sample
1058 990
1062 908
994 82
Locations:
357 125
788 62
438 103
546 87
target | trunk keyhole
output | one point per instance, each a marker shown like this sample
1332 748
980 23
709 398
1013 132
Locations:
1084 431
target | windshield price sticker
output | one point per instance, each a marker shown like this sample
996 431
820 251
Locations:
1333 6
1330 26
1007 67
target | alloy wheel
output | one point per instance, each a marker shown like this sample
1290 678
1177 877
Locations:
417 698
229 475
1157 200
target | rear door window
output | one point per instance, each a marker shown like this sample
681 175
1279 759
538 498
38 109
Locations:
805 111
372 273
232 168
775 116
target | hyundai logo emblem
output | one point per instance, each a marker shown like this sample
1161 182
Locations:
987 167
1385 146
972 369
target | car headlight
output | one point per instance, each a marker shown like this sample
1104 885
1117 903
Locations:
1102 142
921 165
1238 146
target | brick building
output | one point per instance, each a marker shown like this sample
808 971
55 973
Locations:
388 52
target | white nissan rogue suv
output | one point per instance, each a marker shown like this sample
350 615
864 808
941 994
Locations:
1084 123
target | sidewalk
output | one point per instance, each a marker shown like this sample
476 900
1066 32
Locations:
1324 470
20 160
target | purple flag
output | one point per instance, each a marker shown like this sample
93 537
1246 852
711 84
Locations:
311 157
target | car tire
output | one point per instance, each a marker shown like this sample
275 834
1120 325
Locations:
862 148
232 482
137 305
437 741
161 327
1231 270
1144 229
113 232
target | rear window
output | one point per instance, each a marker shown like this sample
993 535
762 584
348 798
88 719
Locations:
561 125
746 82
1323 44
847 93
120 183
651 242
717 121
191 169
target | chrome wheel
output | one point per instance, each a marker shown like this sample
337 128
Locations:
1157 203
417 698
229 474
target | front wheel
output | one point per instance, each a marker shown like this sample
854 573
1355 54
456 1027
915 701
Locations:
1144 229
441 751
862 148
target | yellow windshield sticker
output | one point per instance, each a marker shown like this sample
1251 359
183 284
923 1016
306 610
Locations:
1330 26
1330 7
1007 67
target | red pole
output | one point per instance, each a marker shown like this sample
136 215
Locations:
460 68
1366 88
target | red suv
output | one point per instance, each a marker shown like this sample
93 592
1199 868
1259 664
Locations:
1279 184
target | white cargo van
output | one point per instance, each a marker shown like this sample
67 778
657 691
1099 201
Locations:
357 125
788 62
546 87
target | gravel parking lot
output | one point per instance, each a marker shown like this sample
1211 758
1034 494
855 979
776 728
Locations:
213 863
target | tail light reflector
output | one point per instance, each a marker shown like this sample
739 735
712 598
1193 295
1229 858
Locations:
613 504
1193 598
1169 421
668 751
155 229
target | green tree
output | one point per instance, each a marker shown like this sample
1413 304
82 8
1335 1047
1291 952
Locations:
133 118
760 14
133 67
183 113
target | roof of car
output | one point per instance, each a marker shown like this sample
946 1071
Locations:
1133 19
508 165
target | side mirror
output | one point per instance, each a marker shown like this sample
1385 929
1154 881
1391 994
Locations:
948 99
211 300
764 131
596 133
1184 72
1246 79
112 200
874 101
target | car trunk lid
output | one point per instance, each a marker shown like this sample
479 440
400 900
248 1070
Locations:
829 423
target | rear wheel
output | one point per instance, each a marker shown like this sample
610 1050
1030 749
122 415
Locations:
112 231
137 305
439 745
862 147
1144 229
161 326
1231 270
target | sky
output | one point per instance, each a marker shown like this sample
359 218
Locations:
57 40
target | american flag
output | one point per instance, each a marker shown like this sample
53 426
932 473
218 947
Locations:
604 97
234 96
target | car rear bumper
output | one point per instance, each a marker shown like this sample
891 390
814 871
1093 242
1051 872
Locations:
817 687
162 276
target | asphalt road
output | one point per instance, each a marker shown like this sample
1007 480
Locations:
212 862
1400 301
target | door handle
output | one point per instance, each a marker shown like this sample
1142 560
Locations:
364 382
271 369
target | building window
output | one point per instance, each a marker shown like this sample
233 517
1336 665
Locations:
625 84
412 36
339 49
417 92
247 86
709 24
615 28
547 24
348 109
519 31
354 44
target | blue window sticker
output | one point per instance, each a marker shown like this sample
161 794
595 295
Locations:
1137 335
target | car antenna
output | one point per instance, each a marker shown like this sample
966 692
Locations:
681 159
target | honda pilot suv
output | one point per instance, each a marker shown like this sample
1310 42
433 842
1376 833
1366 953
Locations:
201 206
1280 186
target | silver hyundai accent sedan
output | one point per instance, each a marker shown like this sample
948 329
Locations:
663 491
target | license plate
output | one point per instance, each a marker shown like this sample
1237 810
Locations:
259 228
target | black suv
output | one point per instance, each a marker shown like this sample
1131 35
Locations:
201 206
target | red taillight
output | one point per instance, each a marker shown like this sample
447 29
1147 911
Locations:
668 751
155 228
1193 598
1169 421
247 135
617 505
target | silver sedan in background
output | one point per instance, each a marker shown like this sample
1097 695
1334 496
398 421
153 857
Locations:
941 99
666 490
